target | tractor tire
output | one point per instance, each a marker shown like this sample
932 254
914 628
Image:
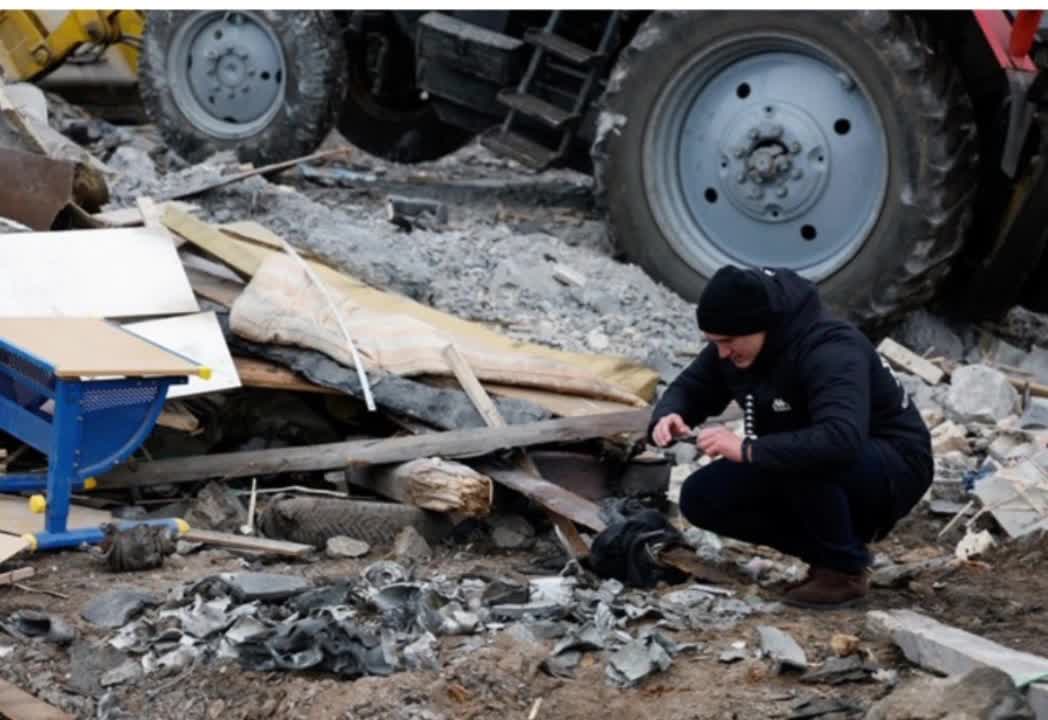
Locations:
265 84
838 144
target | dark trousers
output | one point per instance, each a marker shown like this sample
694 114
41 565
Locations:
826 520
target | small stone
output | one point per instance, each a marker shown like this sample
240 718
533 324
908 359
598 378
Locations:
933 417
342 546
597 341
411 547
973 545
844 645
511 532
731 655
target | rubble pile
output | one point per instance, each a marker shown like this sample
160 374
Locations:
411 367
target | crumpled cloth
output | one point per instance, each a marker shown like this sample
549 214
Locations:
628 547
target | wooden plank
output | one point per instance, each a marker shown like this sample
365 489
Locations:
132 216
15 576
211 241
949 650
196 336
90 347
902 357
247 542
264 170
559 500
330 456
17 704
93 273
261 374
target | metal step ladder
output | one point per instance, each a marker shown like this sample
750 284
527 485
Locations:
513 138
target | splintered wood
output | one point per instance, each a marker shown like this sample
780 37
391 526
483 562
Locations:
910 361
431 484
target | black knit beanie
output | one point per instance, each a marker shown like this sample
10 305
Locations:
734 302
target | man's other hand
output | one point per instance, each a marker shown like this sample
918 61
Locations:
669 427
721 442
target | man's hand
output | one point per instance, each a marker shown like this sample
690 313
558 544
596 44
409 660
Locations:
667 428
721 442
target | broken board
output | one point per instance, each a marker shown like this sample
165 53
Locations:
1017 496
89 347
93 273
196 336
10 545
905 359
262 374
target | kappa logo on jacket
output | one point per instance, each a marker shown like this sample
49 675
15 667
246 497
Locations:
780 405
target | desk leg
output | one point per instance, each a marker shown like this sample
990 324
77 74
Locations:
65 455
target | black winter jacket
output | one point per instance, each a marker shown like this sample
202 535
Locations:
818 389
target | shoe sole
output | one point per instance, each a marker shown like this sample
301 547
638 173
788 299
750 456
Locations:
824 606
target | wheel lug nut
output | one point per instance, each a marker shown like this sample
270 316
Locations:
740 152
795 147
798 174
741 178
752 134
757 194
781 192
846 82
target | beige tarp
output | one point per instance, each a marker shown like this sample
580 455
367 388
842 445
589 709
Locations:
280 305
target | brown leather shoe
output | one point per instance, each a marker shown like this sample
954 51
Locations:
828 589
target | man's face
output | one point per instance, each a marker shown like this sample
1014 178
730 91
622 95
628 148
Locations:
742 350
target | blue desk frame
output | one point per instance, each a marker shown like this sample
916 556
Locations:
94 425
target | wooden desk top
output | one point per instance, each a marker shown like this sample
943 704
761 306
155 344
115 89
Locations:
90 347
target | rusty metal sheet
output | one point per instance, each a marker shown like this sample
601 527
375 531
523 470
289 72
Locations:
35 188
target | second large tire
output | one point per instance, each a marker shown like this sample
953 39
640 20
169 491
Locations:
896 260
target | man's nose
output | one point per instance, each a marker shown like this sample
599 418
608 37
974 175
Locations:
723 351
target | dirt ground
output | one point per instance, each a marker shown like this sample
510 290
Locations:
1003 599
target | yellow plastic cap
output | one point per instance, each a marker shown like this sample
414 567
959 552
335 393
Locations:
90 484
30 540
37 504
183 526
204 373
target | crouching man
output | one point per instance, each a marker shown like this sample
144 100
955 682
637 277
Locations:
833 454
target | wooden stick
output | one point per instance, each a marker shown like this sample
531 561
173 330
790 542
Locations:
315 279
538 489
333 456
264 170
42 591
12 577
243 542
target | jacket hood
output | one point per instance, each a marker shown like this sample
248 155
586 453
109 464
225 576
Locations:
795 305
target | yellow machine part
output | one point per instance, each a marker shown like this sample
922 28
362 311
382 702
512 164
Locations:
29 50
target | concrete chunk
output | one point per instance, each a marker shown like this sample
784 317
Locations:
979 393
949 650
248 586
781 648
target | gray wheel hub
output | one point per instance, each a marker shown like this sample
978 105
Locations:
765 150
770 168
228 72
